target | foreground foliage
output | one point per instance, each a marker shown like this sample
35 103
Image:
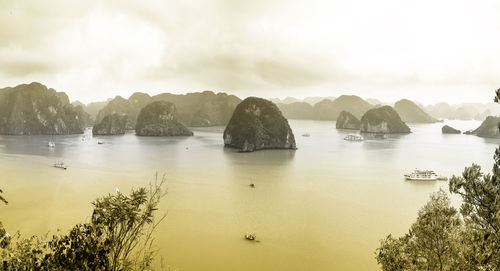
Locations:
118 237
442 239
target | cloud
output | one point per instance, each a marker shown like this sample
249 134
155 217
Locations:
97 49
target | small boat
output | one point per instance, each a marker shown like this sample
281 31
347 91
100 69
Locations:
250 236
353 137
423 175
306 135
60 165
100 142
51 144
252 185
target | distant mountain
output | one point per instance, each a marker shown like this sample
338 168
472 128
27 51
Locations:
192 109
410 112
374 101
31 109
466 111
315 100
330 110
325 109
309 100
94 108
299 110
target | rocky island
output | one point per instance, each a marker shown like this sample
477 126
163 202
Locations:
383 120
34 109
159 119
347 120
449 130
258 124
489 128
114 124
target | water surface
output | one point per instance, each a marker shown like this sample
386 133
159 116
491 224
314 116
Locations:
324 206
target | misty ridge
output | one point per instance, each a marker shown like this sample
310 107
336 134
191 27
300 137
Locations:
36 109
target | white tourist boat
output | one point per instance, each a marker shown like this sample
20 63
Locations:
423 175
353 137
60 165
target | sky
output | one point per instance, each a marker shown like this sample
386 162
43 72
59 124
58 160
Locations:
426 50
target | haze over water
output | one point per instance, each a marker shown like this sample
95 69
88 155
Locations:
324 206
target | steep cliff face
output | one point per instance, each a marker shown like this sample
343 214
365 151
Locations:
258 124
114 124
383 120
410 112
489 128
449 130
347 120
159 119
31 109
192 109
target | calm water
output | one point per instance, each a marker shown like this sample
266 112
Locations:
322 207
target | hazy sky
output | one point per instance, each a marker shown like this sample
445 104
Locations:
425 50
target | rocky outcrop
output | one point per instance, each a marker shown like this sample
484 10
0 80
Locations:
489 128
410 112
347 120
114 124
159 119
31 109
383 120
449 130
258 124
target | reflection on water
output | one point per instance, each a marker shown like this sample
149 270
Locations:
321 207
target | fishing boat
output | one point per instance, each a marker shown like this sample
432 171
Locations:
250 236
51 143
306 135
353 137
60 165
423 175
100 142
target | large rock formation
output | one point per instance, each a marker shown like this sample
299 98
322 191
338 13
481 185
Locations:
489 128
193 109
449 130
410 112
258 124
383 120
347 120
31 109
159 119
114 124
